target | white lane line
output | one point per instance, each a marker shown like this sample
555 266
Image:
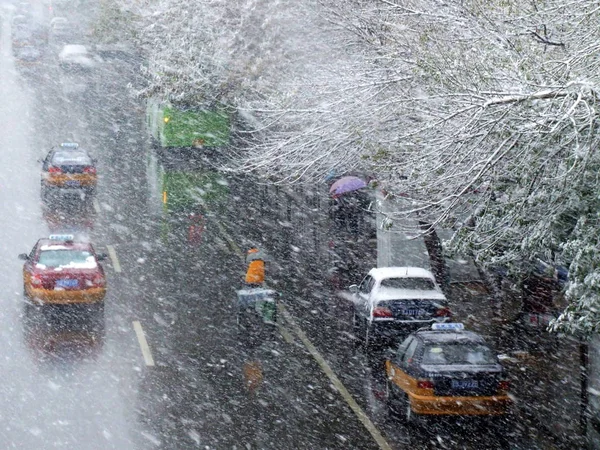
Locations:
362 416
114 258
96 206
141 337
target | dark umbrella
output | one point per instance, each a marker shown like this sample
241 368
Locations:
346 184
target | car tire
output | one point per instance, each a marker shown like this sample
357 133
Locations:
391 398
408 416
398 403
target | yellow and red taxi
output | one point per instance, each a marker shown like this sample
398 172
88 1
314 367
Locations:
68 169
445 370
61 270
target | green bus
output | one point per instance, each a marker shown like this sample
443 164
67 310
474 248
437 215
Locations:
180 180
173 127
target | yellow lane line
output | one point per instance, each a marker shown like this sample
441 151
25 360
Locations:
114 258
141 337
362 416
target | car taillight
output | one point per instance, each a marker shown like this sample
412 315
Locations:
89 169
54 169
380 311
425 384
504 385
99 281
443 312
36 280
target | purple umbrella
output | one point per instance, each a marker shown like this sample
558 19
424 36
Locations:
346 184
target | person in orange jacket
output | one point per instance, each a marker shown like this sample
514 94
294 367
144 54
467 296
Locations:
255 275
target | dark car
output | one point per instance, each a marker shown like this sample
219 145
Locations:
444 371
27 54
68 170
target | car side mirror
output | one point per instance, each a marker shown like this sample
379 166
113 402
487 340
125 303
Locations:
389 354
353 288
24 256
101 256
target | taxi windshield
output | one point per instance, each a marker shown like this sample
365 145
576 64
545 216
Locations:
458 354
422 284
67 258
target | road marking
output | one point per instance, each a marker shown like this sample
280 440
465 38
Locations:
285 334
362 416
113 257
96 206
141 337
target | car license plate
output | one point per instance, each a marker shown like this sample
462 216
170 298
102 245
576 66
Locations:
66 283
465 384
414 312
72 183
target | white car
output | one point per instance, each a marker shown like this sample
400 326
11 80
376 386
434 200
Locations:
59 26
76 57
392 302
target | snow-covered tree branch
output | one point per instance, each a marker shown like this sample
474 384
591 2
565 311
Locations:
479 109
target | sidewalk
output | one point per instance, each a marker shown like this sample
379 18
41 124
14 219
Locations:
399 240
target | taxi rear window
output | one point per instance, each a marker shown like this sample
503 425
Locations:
66 258
424 284
71 158
458 354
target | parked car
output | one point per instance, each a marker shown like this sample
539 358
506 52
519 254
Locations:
392 302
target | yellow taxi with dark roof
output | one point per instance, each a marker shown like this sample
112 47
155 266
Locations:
445 370
62 270
68 169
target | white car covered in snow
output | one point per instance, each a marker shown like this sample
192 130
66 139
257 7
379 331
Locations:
74 56
392 302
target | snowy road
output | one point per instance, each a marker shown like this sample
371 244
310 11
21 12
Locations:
166 366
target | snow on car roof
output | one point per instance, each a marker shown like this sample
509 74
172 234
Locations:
384 294
89 264
74 49
381 273
44 248
433 336
52 244
60 20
